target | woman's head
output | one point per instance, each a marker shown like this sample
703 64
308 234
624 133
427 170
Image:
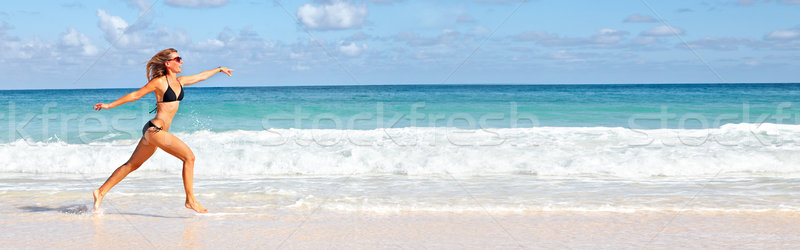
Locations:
164 61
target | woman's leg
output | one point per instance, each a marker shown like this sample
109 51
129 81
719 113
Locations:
174 146
142 152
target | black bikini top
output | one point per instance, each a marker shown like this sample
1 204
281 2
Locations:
169 94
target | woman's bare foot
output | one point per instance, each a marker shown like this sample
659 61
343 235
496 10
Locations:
196 207
98 197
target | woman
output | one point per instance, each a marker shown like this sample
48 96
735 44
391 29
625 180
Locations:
162 70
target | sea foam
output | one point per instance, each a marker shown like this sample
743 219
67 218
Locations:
769 150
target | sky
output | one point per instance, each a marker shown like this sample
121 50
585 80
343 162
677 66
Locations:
70 44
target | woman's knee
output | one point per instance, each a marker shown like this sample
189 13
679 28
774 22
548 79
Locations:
189 158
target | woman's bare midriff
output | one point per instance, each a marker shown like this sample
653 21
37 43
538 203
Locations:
165 112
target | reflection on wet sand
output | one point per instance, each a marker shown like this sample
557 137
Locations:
191 228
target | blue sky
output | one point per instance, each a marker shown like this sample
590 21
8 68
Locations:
105 43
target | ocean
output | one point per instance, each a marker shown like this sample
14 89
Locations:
500 150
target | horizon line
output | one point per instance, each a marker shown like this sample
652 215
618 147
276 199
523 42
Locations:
444 84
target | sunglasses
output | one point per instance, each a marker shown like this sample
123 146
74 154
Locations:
177 59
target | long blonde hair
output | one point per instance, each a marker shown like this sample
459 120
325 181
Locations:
155 67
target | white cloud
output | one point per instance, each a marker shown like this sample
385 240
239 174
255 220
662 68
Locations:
210 45
21 51
173 37
445 39
752 63
636 18
337 14
605 38
298 55
73 39
300 67
784 39
535 36
56 59
422 55
139 36
663 30
608 36
565 56
723 44
196 3
449 36
351 49
112 26
244 46
114 30
783 35
142 5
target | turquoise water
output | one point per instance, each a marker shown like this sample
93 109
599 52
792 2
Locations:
66 115
451 148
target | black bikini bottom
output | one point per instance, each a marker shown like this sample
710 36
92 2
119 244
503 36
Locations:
148 125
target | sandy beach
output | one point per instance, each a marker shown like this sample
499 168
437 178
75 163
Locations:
74 228
381 213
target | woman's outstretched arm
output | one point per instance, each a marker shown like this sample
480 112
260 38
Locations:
189 80
133 96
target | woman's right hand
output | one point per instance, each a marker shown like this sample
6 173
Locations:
100 106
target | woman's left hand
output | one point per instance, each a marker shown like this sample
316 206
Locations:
225 70
101 106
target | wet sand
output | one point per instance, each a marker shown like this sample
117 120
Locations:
51 227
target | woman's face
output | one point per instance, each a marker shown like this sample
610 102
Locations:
175 63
